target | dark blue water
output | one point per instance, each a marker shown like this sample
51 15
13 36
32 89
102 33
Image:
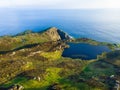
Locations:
101 25
84 51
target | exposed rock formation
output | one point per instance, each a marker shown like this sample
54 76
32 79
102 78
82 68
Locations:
63 35
16 87
37 78
53 34
56 34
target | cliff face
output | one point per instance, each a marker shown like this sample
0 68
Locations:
63 35
56 34
52 34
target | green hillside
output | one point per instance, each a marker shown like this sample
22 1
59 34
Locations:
33 61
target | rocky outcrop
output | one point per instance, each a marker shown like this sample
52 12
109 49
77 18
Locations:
63 35
37 78
16 87
52 34
56 34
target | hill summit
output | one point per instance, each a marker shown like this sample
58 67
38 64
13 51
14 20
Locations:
56 34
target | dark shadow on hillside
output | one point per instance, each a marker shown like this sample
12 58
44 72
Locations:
26 46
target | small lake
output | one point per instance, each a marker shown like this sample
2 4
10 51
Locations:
84 51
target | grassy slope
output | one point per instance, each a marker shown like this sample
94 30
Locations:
52 71
11 43
45 61
59 70
47 64
113 57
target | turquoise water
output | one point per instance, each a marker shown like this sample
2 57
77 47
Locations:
84 51
101 25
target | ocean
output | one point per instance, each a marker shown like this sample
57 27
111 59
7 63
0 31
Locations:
98 24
